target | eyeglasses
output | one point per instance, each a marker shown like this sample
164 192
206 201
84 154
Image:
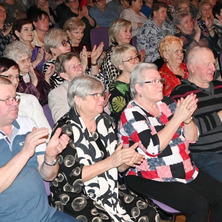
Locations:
133 60
10 100
96 96
155 81
10 77
64 43
179 51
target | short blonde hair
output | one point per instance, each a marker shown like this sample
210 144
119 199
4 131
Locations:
73 24
115 27
166 43
118 52
53 38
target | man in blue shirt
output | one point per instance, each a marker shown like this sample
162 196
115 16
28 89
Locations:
25 161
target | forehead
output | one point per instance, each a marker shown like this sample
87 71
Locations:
149 74
27 25
73 61
2 8
203 57
7 90
129 52
23 57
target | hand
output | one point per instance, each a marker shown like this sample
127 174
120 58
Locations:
84 57
96 52
33 139
209 22
126 156
56 145
142 54
186 107
84 11
33 76
197 27
8 30
49 72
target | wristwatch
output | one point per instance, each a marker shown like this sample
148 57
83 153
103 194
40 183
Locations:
51 164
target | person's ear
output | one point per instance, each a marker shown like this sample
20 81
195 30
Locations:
17 33
166 56
68 33
77 101
138 88
120 67
191 68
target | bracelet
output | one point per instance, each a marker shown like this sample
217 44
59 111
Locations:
51 164
189 121
94 64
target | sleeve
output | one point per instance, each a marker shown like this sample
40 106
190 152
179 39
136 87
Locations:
135 127
56 104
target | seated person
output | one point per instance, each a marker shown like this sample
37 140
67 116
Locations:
25 161
173 70
124 58
152 32
134 15
31 81
87 183
28 104
207 151
68 66
102 13
163 130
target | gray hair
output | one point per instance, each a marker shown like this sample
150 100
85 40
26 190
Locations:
179 16
137 76
53 38
118 52
81 86
16 50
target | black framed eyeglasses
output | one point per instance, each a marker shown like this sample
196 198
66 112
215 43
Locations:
155 81
10 100
64 43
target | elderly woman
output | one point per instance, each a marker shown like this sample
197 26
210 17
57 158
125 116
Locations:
5 29
173 70
163 131
31 81
124 58
119 34
28 104
56 42
86 186
190 32
152 32
134 15
74 27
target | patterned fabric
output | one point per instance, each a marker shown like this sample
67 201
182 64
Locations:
205 117
55 80
171 79
4 40
120 96
98 199
218 30
109 72
170 165
149 37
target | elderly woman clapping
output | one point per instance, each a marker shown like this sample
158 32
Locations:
173 70
31 81
163 131
86 186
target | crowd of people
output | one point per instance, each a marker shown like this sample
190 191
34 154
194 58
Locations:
138 122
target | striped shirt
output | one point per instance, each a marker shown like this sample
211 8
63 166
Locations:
205 117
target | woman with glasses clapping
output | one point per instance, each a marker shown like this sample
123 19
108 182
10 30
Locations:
87 183
173 70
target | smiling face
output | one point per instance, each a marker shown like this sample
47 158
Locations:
202 68
76 36
175 53
124 36
73 68
26 34
8 113
186 25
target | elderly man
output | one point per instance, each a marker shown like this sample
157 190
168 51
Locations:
24 162
207 151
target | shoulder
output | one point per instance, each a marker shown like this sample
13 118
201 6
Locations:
24 123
